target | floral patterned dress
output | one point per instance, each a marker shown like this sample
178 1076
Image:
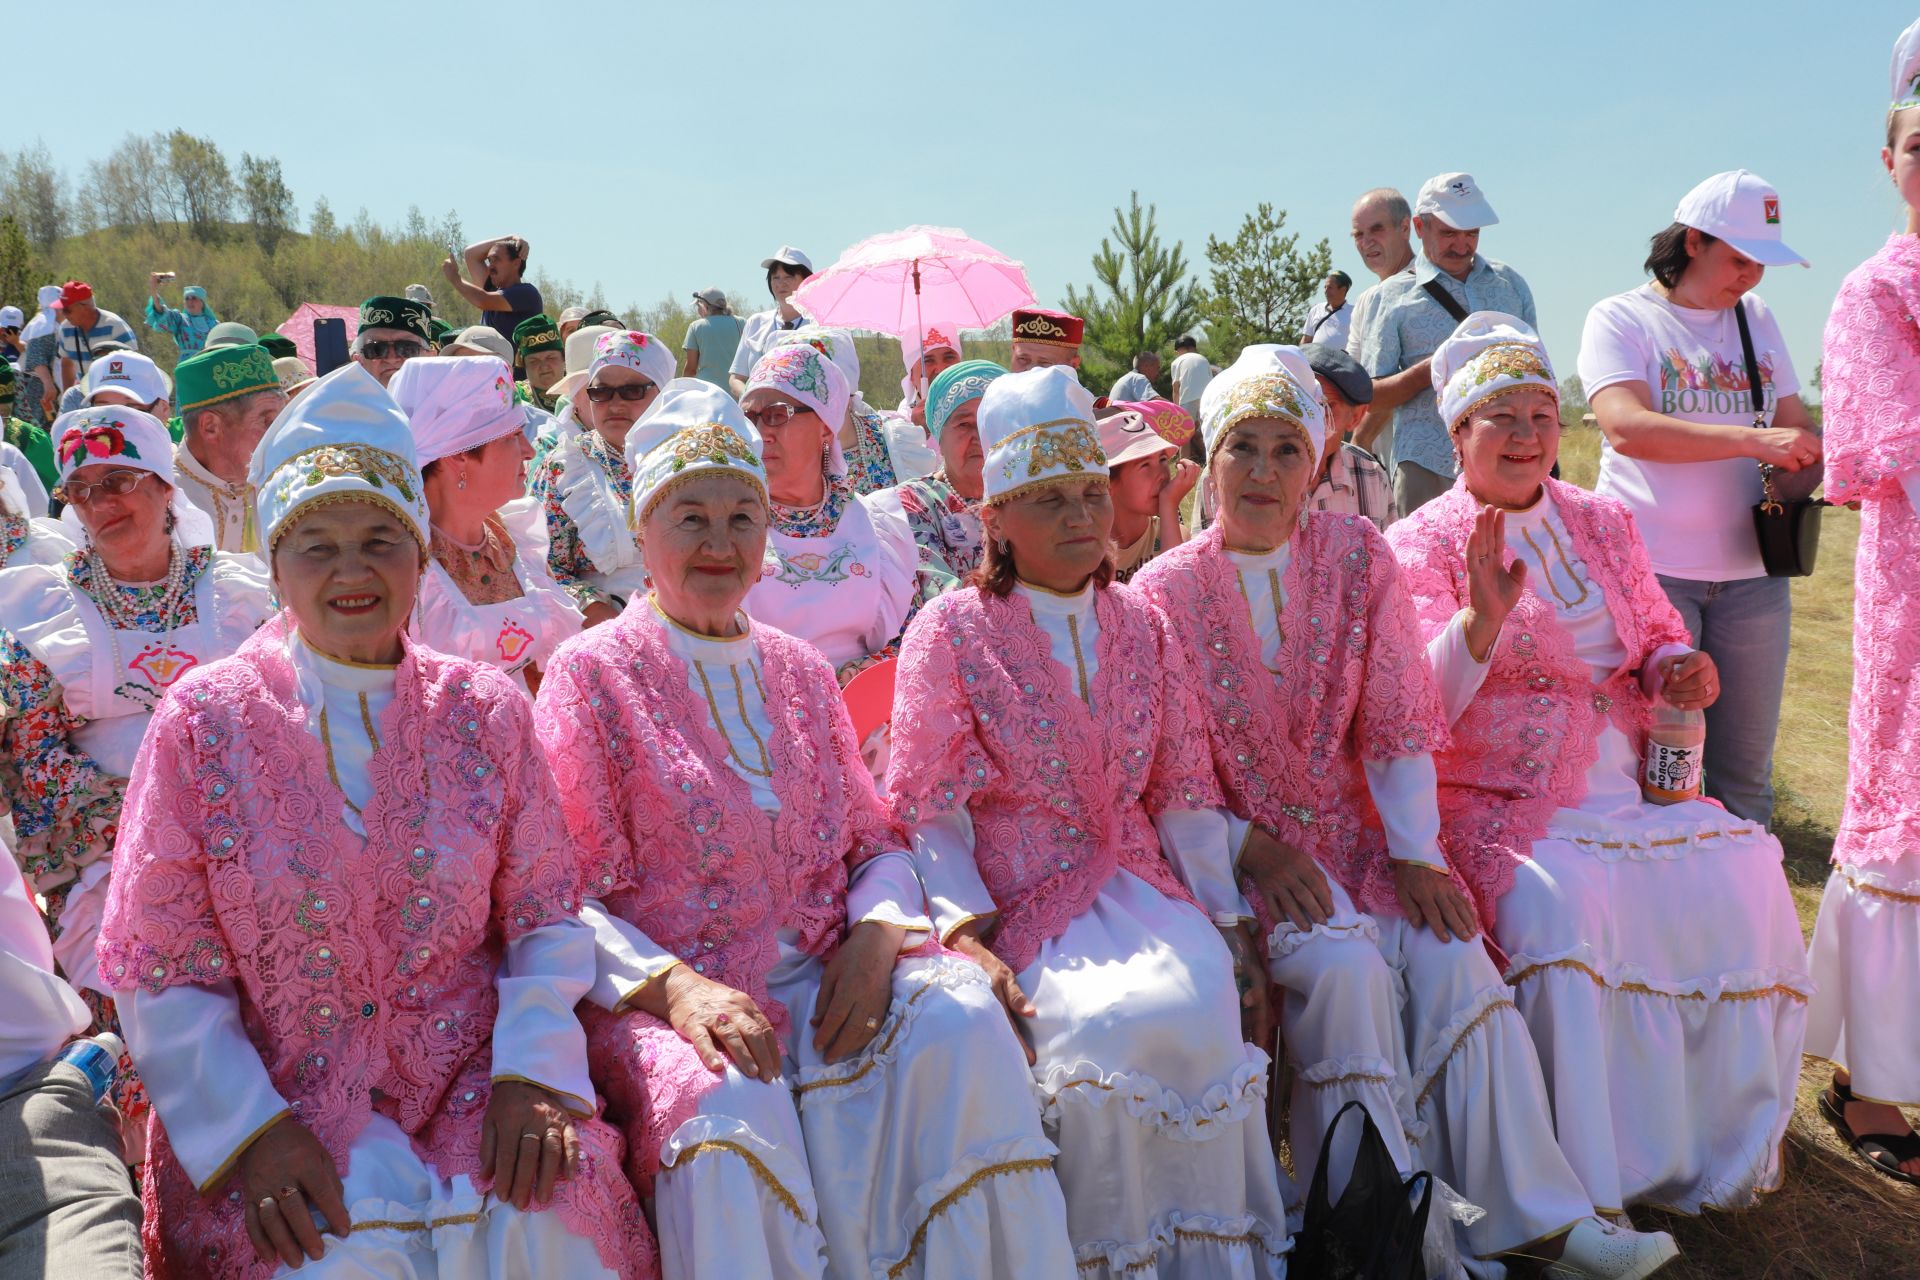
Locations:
585 488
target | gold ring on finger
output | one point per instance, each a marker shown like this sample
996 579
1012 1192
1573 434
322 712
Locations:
530 1137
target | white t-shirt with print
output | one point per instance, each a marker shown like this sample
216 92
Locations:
1696 517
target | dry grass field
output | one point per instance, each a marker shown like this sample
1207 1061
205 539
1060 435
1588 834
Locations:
1833 1217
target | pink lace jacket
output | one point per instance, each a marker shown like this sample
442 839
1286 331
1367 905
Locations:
1353 685
1523 746
1060 795
674 842
362 967
1872 433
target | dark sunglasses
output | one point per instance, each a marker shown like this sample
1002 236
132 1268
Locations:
629 391
381 348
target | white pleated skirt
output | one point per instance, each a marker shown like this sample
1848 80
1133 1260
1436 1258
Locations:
922 1156
1156 1103
1655 954
1865 960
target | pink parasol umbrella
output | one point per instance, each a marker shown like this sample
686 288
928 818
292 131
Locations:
890 282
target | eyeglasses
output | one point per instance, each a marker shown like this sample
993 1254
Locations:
78 493
381 349
628 391
771 418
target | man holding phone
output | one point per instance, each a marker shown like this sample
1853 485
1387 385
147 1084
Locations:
503 297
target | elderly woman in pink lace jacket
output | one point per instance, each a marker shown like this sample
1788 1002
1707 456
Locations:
1653 950
1866 1015
1323 717
1048 760
808 1084
343 927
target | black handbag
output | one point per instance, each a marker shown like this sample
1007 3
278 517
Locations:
1786 520
1376 1231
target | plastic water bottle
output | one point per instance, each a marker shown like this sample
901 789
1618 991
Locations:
1676 755
98 1059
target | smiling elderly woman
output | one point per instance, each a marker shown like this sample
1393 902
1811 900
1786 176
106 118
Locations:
1654 951
486 595
1041 689
584 482
809 1087
1324 717
343 925
90 643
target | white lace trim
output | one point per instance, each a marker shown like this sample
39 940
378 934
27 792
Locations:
1163 1110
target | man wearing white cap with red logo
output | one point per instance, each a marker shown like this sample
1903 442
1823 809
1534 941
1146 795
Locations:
1666 368
786 269
1414 312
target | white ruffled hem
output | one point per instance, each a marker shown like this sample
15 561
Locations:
1639 980
1611 840
1191 1245
1159 1109
1437 1052
1019 1172
778 1171
1285 939
836 1081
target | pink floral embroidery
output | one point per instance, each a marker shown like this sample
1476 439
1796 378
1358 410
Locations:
1060 796
1523 746
1872 431
1353 685
362 966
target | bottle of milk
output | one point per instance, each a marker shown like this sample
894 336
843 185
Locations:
1676 751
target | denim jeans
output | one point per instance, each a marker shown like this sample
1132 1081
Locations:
1743 626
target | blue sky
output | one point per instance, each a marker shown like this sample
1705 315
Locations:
660 149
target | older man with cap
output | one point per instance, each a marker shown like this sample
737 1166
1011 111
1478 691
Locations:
392 332
712 338
540 353
1327 320
786 269
189 323
1417 311
228 397
84 328
1042 338
1350 479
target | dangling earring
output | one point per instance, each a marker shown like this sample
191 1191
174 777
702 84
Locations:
461 483
166 525
1303 514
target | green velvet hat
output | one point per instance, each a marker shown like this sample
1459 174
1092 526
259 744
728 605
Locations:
536 333
385 312
6 380
278 345
222 373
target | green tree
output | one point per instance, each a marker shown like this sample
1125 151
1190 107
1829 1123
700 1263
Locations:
267 199
1261 286
17 275
1147 302
201 185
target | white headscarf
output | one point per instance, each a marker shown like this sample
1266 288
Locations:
456 403
130 438
44 321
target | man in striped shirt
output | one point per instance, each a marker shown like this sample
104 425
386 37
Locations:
84 325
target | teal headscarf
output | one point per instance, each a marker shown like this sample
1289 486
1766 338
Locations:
953 387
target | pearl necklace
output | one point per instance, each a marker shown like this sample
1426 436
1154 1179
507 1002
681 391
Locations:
113 602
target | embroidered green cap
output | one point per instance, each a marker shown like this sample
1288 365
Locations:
223 373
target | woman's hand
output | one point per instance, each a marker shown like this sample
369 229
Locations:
856 989
527 1143
1006 987
720 1023
1692 682
1429 897
1492 588
283 1172
1291 883
1250 979
1788 448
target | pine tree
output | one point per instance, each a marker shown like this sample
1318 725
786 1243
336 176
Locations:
1148 300
1262 285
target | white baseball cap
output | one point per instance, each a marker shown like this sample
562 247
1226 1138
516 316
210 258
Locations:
1744 210
788 256
1456 200
11 318
482 340
129 373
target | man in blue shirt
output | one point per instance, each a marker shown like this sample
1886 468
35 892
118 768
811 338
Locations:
504 298
189 323
83 327
1418 309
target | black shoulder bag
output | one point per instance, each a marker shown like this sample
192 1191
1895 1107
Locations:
1786 520
1448 303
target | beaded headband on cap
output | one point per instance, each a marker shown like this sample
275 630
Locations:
1036 428
692 429
344 440
1490 355
1266 381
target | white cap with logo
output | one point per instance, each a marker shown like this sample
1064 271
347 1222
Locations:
1742 209
788 256
1455 199
129 373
